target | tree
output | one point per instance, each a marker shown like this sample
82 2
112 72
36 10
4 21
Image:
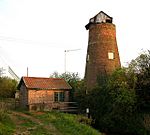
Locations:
69 77
141 69
114 104
8 87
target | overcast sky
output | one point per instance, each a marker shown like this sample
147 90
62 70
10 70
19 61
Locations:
35 33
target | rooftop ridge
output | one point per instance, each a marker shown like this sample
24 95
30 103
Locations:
44 78
44 83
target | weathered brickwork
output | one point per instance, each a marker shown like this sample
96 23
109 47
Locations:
44 100
102 40
41 99
44 96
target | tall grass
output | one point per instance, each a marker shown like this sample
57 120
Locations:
6 125
69 124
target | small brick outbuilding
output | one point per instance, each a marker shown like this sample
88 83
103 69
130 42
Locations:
36 93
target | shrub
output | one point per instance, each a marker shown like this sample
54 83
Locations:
114 104
84 120
3 115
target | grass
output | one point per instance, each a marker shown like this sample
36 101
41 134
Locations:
26 122
6 125
68 124
44 123
40 131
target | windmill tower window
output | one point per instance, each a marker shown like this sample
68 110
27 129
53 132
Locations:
108 20
88 57
111 56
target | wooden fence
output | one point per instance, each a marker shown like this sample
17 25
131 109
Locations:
12 103
60 106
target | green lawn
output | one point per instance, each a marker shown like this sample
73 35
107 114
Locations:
68 124
44 123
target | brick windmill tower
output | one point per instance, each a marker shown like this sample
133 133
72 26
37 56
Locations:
102 53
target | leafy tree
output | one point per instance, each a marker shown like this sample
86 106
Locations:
8 87
141 69
114 104
80 97
69 77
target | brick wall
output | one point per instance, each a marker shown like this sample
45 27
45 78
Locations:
44 99
102 39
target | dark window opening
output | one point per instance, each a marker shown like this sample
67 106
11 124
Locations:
59 96
108 21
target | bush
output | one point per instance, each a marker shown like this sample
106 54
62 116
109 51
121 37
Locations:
84 120
113 105
8 87
3 111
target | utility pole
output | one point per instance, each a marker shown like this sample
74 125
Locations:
65 61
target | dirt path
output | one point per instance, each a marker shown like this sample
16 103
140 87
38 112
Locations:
29 125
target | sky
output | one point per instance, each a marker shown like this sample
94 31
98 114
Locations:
35 33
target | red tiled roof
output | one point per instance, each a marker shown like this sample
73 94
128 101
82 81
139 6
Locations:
45 83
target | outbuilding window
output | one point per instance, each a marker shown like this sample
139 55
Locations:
111 55
59 96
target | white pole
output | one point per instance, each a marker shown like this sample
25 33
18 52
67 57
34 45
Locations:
65 58
27 71
65 61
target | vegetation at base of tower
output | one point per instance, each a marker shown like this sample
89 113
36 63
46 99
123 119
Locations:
121 101
8 87
140 67
114 106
